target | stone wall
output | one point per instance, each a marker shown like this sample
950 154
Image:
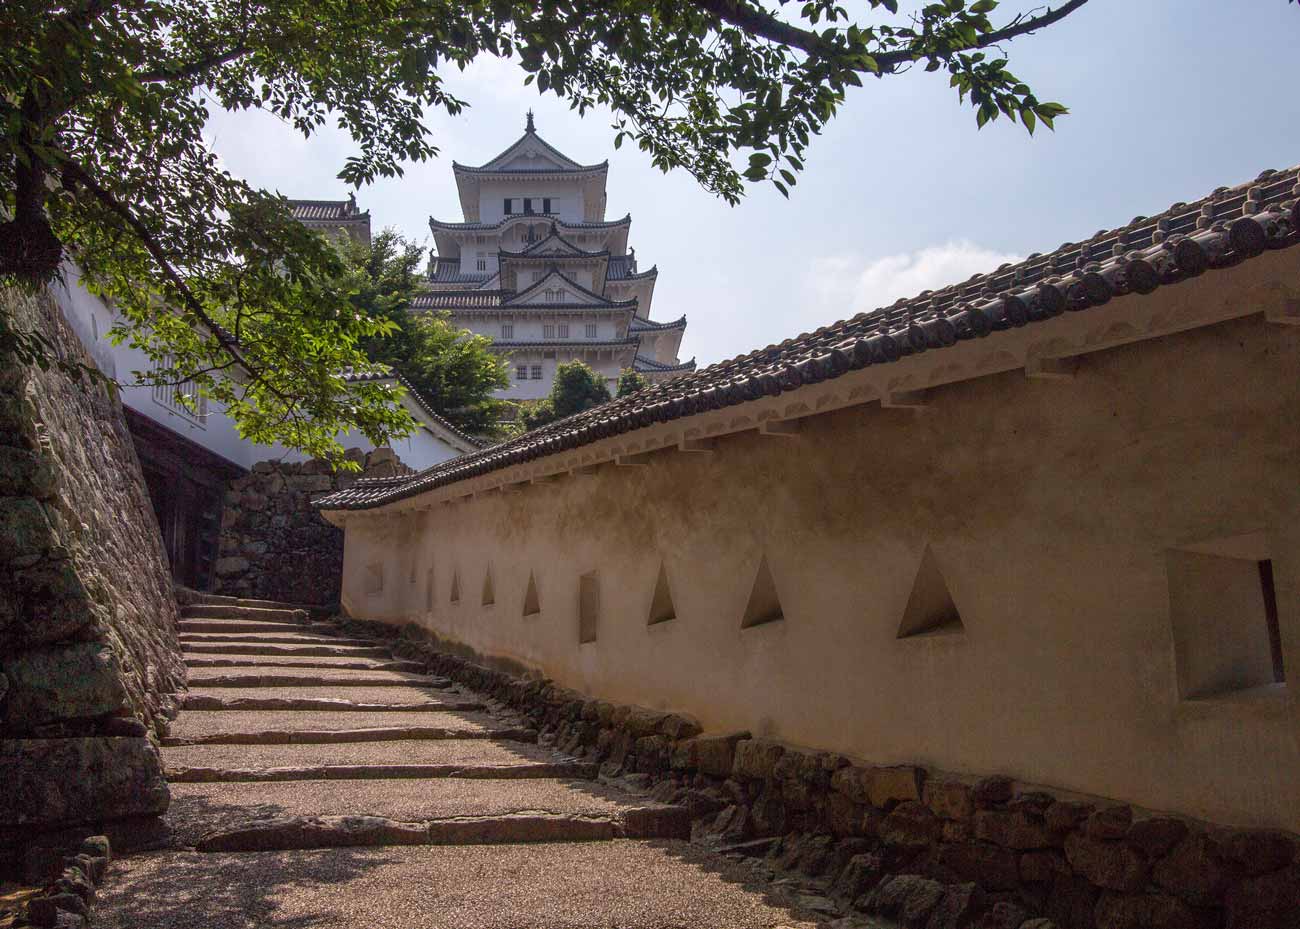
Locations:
931 849
274 544
87 618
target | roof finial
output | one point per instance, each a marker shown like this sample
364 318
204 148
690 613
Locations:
529 127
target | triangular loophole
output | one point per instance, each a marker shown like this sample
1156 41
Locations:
532 604
455 587
489 595
661 605
930 608
764 604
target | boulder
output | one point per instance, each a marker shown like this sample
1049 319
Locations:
949 799
755 759
910 825
1112 865
100 779
1150 911
1195 871
65 682
893 785
1270 901
1018 829
990 866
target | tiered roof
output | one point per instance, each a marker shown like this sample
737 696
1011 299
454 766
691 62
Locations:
1229 226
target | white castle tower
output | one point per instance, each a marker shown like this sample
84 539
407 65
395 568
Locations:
535 266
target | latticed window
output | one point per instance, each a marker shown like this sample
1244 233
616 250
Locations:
521 373
548 331
537 372
507 330
183 399
591 330
562 331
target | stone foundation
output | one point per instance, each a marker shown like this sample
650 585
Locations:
90 658
926 848
274 544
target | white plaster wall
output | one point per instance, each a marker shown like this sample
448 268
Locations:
1050 508
566 198
92 320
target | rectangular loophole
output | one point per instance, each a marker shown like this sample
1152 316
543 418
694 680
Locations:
1223 609
588 607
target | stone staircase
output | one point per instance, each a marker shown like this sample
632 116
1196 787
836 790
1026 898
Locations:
294 743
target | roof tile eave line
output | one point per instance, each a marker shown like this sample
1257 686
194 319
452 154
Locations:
1219 231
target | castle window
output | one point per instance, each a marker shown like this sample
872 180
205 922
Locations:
481 262
507 330
528 205
546 204
591 330
548 331
510 206
563 332
521 373
537 372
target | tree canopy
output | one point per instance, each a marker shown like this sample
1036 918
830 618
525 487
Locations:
451 368
103 159
630 381
576 387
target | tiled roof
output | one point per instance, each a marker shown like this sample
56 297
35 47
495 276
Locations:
658 367
567 164
649 325
419 398
457 299
448 271
333 211
1229 226
620 269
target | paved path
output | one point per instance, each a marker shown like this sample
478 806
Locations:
320 782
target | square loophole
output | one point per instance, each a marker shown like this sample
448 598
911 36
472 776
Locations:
1223 609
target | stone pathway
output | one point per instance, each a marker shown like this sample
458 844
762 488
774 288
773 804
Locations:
319 782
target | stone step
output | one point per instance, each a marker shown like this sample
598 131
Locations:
238 626
276 727
321 651
472 758
338 664
265 638
205 599
309 678
267 613
595 885
238 699
243 816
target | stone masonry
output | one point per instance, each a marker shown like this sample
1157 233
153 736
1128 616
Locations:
88 644
928 849
274 544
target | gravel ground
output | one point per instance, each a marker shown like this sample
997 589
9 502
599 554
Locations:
432 751
598 885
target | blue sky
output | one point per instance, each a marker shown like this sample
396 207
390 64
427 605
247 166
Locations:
1169 99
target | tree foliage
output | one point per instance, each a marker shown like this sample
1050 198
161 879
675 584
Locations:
576 387
452 368
630 381
103 159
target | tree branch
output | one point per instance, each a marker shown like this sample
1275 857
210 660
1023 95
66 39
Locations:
194 68
1017 27
760 22
78 174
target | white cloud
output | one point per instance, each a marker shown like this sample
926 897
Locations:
846 284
